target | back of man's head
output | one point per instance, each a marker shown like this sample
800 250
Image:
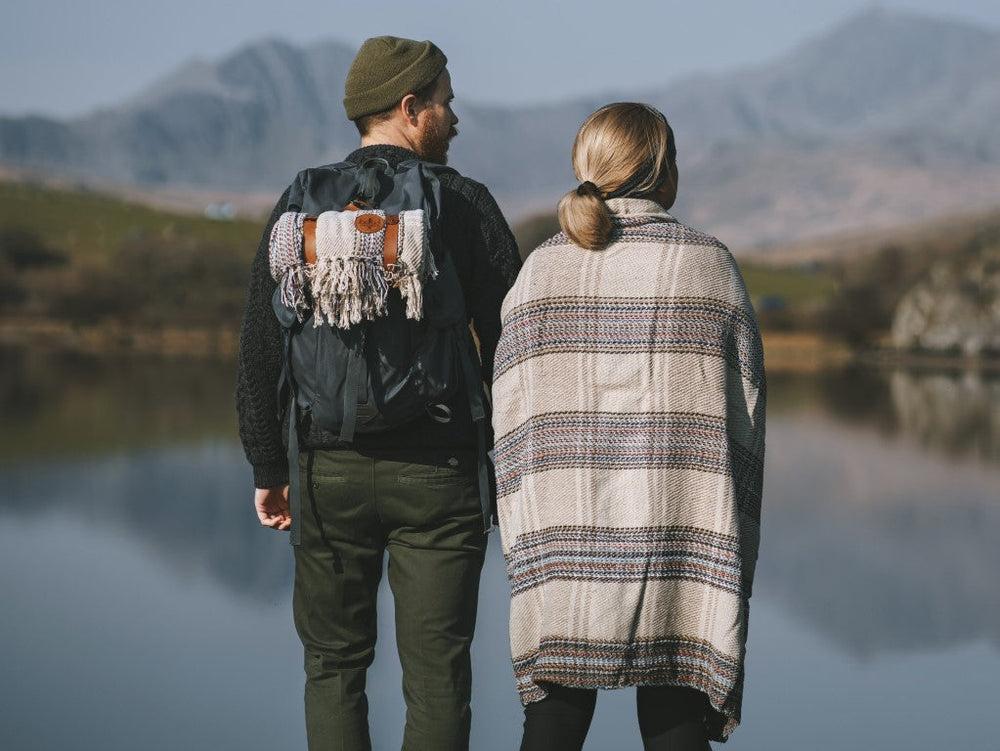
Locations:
385 70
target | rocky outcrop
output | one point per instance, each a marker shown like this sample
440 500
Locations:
955 309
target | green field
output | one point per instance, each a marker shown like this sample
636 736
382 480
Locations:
90 227
114 261
81 257
89 258
793 285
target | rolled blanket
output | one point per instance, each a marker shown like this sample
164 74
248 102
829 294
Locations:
348 282
288 263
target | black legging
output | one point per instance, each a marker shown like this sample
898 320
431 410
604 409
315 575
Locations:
670 719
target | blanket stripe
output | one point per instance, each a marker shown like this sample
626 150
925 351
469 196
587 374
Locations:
620 325
610 441
597 554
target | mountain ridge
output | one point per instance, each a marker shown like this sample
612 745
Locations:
885 117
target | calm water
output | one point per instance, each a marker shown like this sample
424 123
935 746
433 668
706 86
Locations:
143 608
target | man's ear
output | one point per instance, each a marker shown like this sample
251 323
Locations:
410 107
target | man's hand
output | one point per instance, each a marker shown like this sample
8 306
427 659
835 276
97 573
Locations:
272 507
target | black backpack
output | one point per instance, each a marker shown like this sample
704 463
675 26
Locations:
379 374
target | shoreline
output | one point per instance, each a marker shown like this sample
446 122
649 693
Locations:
784 352
116 340
806 352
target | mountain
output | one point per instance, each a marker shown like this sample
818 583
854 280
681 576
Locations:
889 117
246 122
881 73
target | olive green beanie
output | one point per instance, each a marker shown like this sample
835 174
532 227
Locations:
385 70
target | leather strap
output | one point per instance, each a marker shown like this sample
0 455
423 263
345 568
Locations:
309 239
391 252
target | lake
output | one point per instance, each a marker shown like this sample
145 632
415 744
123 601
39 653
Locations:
145 608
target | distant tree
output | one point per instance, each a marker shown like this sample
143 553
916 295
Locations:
856 314
160 282
861 310
12 293
25 250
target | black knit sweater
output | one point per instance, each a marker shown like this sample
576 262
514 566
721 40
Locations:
487 261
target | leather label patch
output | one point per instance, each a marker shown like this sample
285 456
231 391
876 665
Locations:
369 223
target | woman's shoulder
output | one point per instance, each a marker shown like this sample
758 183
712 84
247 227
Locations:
666 237
554 250
552 247
544 270
712 264
700 261
663 229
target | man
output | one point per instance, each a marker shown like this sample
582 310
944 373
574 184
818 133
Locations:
411 491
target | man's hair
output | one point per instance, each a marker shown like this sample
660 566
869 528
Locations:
366 123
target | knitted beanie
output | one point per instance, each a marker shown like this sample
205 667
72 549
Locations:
385 70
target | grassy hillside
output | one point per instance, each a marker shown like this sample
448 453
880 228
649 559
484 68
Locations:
80 258
91 227
89 258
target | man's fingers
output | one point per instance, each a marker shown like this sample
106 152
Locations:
280 520
272 508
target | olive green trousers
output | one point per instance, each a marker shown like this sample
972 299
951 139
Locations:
426 515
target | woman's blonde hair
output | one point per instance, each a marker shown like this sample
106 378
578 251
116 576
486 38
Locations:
623 149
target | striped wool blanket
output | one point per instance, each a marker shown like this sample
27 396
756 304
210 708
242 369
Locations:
348 282
629 401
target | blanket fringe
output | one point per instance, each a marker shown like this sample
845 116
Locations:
348 283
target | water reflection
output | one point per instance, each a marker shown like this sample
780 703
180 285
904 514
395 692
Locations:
188 506
881 517
882 509
957 414
880 520
57 404
951 413
876 545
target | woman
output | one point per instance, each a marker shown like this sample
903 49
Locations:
629 403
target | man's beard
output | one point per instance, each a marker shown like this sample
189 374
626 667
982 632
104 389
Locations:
432 144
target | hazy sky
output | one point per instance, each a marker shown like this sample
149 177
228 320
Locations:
67 57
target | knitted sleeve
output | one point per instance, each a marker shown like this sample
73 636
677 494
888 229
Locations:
495 265
260 363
